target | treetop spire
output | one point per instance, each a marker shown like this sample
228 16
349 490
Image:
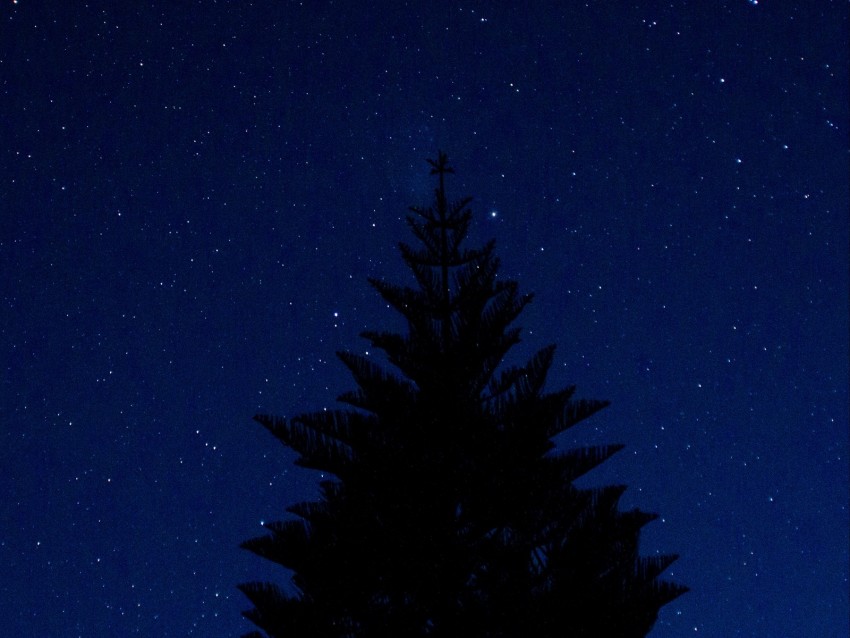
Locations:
441 167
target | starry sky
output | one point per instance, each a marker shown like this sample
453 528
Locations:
194 193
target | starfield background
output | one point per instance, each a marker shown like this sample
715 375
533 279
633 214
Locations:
193 195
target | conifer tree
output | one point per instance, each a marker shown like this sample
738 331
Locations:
451 512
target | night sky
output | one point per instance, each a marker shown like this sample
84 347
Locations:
194 193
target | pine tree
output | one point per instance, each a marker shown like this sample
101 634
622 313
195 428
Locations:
451 512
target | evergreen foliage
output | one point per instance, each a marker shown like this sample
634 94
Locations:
451 513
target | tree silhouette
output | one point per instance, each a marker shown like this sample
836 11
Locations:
451 512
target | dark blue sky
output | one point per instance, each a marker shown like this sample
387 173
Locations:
193 195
